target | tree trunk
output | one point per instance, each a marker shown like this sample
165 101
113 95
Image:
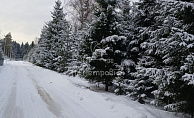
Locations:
106 85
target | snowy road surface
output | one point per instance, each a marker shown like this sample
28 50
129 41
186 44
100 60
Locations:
28 91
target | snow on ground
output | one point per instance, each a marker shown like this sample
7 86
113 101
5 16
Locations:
28 91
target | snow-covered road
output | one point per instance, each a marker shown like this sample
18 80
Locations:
28 91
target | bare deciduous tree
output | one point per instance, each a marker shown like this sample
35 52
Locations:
81 12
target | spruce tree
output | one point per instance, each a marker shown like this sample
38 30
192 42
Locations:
42 57
7 45
1 49
166 52
59 31
103 44
52 50
143 18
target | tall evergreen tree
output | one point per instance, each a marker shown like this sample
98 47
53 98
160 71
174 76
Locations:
168 46
52 50
16 52
143 21
103 44
1 49
7 45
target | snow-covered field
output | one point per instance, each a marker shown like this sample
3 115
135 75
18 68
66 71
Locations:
28 91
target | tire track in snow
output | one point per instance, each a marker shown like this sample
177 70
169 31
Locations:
69 108
11 110
51 105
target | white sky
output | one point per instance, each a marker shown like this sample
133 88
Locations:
24 18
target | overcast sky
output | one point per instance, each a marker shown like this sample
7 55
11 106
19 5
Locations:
24 18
